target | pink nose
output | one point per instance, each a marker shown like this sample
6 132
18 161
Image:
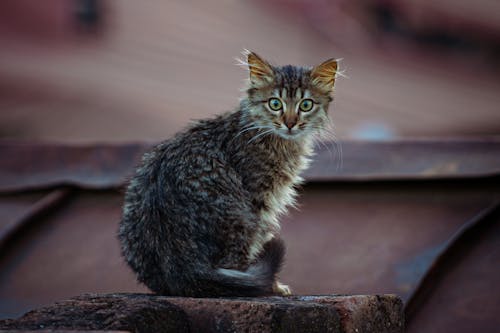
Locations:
290 123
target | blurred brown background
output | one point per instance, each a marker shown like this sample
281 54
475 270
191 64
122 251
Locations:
127 70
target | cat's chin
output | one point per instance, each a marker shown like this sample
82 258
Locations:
294 135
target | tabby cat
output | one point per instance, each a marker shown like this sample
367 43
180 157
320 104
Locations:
200 216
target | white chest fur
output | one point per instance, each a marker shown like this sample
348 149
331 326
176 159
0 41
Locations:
282 196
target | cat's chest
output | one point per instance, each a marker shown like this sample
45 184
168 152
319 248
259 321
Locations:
271 179
270 172
280 192
276 194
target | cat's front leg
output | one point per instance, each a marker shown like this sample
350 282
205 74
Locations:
275 244
281 289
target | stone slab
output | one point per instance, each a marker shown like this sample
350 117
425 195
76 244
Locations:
150 313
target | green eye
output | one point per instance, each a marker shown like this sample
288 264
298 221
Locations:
275 104
306 105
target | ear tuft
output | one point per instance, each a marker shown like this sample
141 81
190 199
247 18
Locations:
323 75
261 72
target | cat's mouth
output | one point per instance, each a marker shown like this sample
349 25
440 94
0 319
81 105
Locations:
290 133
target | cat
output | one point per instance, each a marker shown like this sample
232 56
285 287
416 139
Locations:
200 215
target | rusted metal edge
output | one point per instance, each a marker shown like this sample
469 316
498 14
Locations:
44 166
453 250
406 160
52 186
119 186
313 179
42 207
36 166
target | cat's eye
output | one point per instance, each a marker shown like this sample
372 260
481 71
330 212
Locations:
306 105
275 104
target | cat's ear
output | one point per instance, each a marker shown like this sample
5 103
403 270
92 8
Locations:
261 73
323 75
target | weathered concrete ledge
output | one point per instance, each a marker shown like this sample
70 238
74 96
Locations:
149 313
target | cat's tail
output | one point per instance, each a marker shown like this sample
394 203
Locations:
257 280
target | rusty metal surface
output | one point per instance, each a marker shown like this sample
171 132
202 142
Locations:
27 166
466 299
407 160
465 262
9 229
71 251
13 208
355 231
40 166
464 237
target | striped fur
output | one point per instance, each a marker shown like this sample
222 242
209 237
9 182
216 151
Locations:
201 214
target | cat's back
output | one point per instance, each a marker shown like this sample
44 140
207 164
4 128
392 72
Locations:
186 164
201 138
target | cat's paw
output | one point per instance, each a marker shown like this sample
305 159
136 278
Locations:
281 289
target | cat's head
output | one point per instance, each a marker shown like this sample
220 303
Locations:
289 101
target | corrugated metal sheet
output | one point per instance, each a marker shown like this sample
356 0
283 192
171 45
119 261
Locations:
415 218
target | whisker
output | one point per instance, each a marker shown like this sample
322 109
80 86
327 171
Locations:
322 143
249 128
321 140
259 135
338 144
327 132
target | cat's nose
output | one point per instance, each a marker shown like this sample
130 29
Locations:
290 122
